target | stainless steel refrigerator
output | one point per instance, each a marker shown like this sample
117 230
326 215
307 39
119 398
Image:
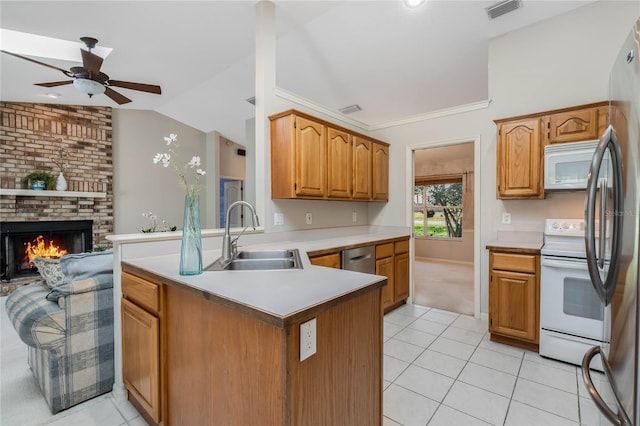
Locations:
612 225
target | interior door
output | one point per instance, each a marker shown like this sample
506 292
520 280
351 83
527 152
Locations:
232 191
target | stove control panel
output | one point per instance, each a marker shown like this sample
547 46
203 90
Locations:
574 227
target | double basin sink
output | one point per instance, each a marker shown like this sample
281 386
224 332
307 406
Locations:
260 260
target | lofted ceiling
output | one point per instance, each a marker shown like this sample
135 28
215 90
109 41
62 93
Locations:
393 61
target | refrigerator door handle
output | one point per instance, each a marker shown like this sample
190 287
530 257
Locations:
603 223
605 288
619 419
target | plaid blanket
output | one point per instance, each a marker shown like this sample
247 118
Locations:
70 337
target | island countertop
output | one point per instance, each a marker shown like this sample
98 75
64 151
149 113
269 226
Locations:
277 296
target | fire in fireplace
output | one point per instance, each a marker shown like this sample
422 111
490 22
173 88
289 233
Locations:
22 241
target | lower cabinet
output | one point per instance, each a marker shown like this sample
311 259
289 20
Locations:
331 260
514 299
141 310
392 261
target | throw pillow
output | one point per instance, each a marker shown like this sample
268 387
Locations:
85 265
50 270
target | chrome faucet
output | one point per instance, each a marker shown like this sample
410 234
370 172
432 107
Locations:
229 247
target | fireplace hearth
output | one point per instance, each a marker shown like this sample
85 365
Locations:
21 241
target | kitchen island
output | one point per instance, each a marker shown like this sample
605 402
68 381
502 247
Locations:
228 343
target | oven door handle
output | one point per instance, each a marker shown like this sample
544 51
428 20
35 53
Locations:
556 263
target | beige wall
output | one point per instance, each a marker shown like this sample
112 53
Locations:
556 63
138 184
232 165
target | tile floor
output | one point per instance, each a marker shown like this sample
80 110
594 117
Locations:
440 368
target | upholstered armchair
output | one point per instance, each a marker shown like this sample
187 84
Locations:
67 323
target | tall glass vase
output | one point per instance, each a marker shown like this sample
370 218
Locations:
191 249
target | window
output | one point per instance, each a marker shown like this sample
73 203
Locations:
437 207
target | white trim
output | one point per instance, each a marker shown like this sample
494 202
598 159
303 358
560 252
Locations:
431 115
409 177
316 107
42 193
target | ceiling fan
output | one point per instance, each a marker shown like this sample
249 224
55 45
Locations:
89 79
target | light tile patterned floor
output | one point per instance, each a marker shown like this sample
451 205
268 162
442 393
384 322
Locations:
440 368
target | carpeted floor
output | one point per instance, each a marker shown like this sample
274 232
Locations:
444 285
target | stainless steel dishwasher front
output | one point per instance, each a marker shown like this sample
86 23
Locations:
360 259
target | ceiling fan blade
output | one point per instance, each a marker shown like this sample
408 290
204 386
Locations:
65 72
150 88
54 83
91 62
117 97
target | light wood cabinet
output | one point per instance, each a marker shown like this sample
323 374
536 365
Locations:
514 298
315 159
521 141
380 172
579 125
519 159
392 261
141 310
362 164
339 172
331 260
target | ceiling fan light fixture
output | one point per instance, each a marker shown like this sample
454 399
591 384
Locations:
88 86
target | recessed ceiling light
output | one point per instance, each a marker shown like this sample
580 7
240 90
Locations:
413 3
53 95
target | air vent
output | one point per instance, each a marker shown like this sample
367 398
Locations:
251 100
503 7
351 108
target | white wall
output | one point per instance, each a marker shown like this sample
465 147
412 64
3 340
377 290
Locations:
556 63
138 184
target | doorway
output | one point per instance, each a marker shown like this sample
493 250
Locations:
443 220
231 190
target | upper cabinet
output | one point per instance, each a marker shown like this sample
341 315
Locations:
580 125
521 141
314 159
518 160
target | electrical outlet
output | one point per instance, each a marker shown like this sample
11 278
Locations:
278 219
307 339
354 216
506 218
309 218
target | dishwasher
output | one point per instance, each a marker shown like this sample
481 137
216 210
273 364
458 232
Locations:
360 259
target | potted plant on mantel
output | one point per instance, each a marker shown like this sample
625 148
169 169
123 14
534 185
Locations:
40 180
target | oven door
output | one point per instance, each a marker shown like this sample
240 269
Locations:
568 302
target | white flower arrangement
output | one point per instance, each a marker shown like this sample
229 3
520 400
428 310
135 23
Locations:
169 159
154 224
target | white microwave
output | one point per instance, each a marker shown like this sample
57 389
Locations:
566 165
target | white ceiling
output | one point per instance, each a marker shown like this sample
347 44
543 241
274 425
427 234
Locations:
393 61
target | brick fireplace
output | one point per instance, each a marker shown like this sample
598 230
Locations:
32 135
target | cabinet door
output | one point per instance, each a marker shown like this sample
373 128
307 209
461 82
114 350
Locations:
141 357
362 163
338 164
385 267
380 172
513 305
574 126
311 158
518 160
329 260
401 281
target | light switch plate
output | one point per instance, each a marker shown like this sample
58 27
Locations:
309 218
506 218
278 219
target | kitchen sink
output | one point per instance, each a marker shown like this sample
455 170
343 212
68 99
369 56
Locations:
267 254
259 260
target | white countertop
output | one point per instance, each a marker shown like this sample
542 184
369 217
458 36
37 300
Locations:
280 293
